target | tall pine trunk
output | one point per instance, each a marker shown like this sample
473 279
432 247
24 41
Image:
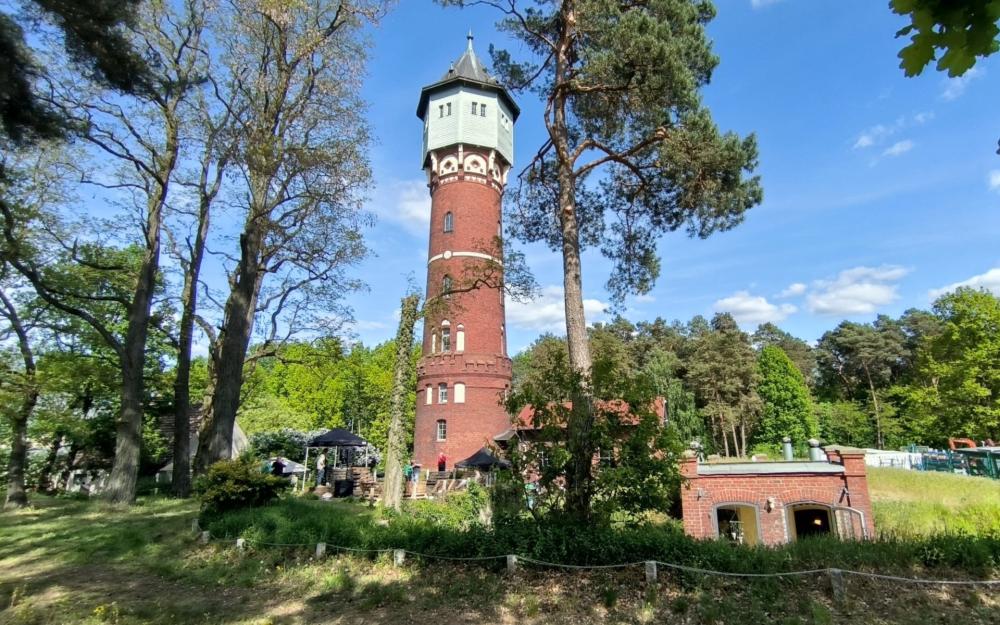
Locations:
392 491
17 496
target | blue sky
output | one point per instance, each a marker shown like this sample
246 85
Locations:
880 191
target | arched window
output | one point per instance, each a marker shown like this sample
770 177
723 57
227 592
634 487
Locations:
446 285
460 339
434 342
459 392
442 393
445 338
442 430
429 395
449 222
503 343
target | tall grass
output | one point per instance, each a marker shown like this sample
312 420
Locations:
293 521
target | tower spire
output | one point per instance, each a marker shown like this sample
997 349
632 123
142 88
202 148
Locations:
469 38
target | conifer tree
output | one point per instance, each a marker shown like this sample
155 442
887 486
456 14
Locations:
630 142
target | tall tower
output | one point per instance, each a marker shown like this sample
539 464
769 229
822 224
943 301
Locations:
464 370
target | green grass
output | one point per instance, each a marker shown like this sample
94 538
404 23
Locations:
83 563
915 503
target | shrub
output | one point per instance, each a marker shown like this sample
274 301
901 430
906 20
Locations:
234 484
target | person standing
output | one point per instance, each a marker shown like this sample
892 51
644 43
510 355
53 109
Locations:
442 461
321 468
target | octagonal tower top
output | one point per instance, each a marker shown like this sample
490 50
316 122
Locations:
468 106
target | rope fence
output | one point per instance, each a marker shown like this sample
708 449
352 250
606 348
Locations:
651 566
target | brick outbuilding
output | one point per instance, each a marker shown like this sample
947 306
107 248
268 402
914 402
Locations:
777 502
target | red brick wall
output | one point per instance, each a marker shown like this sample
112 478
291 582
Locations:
483 366
703 493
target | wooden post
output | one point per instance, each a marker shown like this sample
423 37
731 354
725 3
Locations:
204 538
511 564
241 544
650 571
398 556
320 550
837 585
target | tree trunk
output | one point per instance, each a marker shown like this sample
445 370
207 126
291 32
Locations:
45 475
17 496
879 443
125 470
181 478
392 491
215 441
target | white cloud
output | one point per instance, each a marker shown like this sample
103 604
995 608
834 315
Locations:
955 87
546 313
994 180
645 298
873 135
796 288
406 203
856 291
898 148
989 281
752 309
880 133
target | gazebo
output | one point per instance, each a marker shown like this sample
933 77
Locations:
484 460
337 438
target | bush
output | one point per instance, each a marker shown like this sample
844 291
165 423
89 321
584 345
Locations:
234 484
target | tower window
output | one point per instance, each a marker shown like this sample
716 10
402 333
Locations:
449 222
459 392
434 342
474 105
429 395
446 285
441 110
446 339
448 109
442 430
442 393
482 110
460 339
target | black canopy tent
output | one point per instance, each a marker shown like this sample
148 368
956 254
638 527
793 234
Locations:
336 438
482 459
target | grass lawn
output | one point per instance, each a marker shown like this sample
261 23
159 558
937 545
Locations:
917 503
73 563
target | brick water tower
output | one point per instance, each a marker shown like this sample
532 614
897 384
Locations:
468 150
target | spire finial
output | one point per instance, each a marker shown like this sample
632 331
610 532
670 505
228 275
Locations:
469 38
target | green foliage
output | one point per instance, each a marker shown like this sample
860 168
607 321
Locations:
843 423
722 371
638 452
320 385
787 409
962 32
285 442
955 388
797 350
556 538
234 484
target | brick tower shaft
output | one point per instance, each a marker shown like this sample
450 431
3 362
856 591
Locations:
464 371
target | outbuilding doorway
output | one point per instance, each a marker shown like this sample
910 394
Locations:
808 520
